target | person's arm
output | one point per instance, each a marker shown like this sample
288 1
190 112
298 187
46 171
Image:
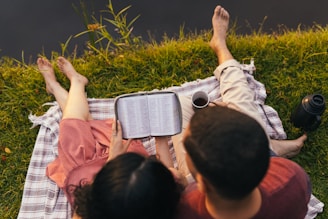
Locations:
163 151
117 146
163 154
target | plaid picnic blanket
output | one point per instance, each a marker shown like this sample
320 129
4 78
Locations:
42 198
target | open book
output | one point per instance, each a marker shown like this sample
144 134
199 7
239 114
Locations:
143 114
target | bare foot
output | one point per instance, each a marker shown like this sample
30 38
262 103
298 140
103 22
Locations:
67 68
288 148
48 74
220 22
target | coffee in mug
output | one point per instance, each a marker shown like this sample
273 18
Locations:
200 100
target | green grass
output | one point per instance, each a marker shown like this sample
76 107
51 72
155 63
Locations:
291 64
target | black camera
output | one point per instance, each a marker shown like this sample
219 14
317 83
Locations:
307 114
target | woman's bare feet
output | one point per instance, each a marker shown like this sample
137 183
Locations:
48 74
67 68
288 148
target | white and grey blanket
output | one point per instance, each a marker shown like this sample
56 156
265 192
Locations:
43 199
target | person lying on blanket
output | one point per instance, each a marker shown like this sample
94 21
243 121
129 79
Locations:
126 185
227 151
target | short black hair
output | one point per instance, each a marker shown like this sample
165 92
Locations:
229 149
129 186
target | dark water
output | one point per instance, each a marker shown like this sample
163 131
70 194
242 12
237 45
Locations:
35 26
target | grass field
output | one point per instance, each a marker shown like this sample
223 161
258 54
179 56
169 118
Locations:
291 64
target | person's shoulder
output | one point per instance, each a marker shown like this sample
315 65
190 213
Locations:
284 164
192 204
285 190
282 172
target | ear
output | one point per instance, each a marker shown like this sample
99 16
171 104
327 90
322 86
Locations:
201 184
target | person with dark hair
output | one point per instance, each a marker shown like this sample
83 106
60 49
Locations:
228 153
236 141
98 177
129 186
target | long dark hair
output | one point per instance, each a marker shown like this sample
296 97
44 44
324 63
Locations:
129 186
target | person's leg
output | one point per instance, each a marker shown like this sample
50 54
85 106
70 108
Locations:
77 106
73 103
220 23
288 148
52 85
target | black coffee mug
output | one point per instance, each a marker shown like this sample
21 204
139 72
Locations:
307 114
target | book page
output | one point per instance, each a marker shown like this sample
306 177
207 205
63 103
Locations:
164 114
132 112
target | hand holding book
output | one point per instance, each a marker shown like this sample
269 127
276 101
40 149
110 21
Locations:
117 146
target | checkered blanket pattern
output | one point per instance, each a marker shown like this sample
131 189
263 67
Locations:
42 199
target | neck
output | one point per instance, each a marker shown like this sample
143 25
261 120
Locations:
247 207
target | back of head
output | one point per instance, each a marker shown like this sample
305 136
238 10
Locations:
229 149
132 186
